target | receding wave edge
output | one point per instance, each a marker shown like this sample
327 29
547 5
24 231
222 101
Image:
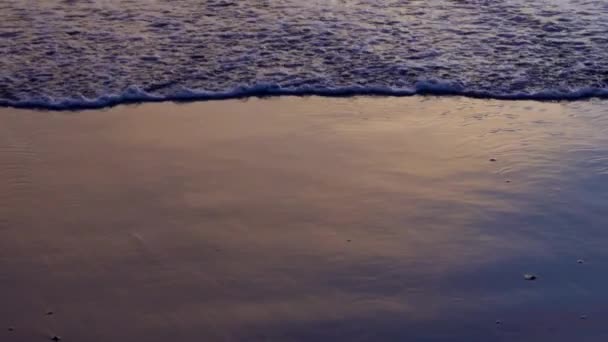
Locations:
133 95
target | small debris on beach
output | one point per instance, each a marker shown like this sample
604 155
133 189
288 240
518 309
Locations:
580 261
347 240
55 338
49 313
507 181
583 317
492 159
498 322
529 276
11 329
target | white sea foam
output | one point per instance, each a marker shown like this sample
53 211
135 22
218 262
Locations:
135 95
86 54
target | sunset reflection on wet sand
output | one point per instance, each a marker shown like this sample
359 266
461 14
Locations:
315 219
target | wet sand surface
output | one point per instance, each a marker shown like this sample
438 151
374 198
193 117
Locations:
306 219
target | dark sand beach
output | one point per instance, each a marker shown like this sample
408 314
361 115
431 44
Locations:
306 219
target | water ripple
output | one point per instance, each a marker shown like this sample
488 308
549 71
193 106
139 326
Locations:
84 53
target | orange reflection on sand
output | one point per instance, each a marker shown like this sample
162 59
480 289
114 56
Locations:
277 218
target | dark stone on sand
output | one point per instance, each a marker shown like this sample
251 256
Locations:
347 240
49 313
55 338
11 329
492 159
507 181
583 317
580 261
498 322
529 277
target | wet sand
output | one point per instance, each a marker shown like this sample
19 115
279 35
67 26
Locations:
306 219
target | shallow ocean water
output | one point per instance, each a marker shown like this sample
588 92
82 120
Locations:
93 53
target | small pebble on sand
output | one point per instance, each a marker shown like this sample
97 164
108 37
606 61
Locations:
49 313
583 317
529 277
55 338
11 329
492 159
580 261
498 322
